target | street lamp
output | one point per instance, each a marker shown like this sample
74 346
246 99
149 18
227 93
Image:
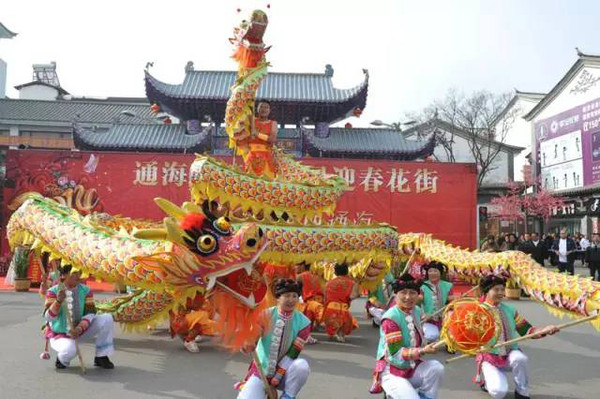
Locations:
395 126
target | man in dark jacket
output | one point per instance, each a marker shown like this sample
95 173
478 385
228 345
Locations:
592 257
564 248
536 248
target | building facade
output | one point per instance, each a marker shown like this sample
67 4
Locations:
565 134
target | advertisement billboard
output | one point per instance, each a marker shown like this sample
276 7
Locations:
568 147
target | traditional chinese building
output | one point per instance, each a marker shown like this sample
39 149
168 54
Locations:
121 146
304 104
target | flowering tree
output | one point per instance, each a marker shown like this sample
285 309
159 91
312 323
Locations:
518 205
510 205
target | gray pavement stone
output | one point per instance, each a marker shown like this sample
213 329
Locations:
155 366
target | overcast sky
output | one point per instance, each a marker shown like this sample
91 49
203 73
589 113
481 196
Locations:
415 50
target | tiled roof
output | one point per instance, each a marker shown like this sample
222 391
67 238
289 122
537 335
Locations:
69 110
5 33
592 189
293 96
297 87
435 124
147 138
60 90
285 133
370 142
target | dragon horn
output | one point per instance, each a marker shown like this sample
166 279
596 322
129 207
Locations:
151 234
170 208
190 207
174 232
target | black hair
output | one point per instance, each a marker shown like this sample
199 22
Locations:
341 269
434 265
406 282
284 285
490 281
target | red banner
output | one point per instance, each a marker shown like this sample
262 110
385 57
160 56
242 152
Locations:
436 198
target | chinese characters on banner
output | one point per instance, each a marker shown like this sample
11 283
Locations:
432 198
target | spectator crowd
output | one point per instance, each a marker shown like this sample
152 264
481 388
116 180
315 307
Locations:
560 251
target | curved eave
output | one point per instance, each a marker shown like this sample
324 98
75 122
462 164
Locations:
140 138
6 33
285 110
583 61
423 149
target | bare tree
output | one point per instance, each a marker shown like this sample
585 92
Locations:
481 118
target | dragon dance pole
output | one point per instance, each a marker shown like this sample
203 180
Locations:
528 336
408 262
440 310
269 390
70 324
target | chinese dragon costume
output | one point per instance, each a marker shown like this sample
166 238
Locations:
213 246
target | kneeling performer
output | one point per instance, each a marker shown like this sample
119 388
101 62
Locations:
399 370
278 349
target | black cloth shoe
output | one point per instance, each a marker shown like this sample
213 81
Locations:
103 362
519 396
59 365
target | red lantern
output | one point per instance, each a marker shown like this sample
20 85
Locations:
348 125
155 108
168 121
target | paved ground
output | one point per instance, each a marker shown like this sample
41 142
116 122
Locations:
154 366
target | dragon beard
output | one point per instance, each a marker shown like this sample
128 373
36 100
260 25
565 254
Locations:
238 325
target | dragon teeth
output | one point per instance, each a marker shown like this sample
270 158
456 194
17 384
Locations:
211 282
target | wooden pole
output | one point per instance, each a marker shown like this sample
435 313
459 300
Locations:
460 297
528 336
408 263
269 390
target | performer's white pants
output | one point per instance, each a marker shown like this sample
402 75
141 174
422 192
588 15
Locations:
101 328
427 379
294 379
495 379
431 331
377 314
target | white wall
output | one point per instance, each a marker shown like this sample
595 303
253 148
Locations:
567 99
38 92
519 132
2 78
462 153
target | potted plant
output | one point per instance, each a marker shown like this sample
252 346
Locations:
513 291
21 259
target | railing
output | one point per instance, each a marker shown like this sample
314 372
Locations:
37 142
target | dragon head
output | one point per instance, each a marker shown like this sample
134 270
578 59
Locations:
206 253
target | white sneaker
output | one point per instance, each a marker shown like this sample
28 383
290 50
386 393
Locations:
191 346
311 340
198 339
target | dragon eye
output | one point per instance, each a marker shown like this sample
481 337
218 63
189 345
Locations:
206 244
222 225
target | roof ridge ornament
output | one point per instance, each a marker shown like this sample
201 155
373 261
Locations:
328 70
149 64
189 67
